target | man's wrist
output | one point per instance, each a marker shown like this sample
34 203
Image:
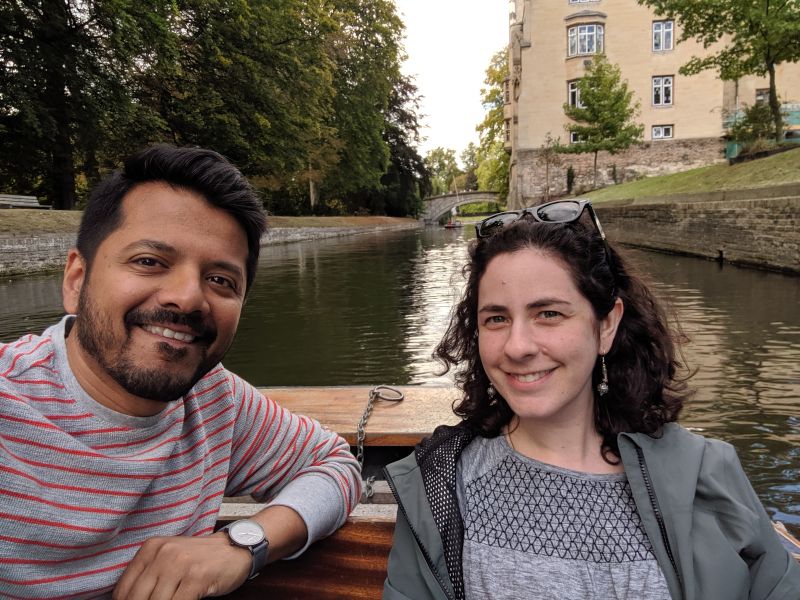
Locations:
250 537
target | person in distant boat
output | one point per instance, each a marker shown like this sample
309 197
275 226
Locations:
569 476
120 431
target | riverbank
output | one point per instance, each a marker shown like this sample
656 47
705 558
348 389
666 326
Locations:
36 241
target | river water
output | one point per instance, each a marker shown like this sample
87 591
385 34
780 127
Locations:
369 309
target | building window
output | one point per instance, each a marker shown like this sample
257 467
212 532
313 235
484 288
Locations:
662 35
762 95
661 132
574 138
585 39
574 94
662 90
507 129
507 91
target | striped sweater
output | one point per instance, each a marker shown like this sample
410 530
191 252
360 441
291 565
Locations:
82 486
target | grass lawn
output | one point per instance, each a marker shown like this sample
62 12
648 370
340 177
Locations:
22 221
773 170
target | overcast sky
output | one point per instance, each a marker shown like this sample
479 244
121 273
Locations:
449 45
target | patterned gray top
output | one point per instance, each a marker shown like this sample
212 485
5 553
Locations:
532 530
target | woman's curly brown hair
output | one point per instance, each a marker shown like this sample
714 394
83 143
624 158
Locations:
645 392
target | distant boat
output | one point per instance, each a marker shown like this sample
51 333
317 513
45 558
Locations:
453 225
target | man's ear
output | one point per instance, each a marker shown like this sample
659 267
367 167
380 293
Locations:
74 276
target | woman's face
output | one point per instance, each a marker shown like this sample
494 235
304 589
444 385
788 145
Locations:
538 337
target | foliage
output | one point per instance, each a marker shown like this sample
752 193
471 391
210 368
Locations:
750 37
549 157
493 169
469 158
443 168
406 181
305 96
493 160
756 123
604 120
64 74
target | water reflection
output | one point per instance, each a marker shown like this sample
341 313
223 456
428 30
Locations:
369 309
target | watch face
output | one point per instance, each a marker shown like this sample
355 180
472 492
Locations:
246 533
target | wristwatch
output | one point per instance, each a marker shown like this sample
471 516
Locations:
249 534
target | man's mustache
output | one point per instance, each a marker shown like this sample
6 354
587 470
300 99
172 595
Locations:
161 316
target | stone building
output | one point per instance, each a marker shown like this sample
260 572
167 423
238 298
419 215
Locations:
551 42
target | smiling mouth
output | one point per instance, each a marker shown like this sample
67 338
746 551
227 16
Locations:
169 333
530 377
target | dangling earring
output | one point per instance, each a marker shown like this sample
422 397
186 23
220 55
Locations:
491 392
602 387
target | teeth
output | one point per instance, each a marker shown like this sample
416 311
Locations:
532 376
169 333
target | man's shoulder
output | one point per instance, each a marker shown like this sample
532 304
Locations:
219 382
28 353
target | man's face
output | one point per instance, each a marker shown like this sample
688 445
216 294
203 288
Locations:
161 302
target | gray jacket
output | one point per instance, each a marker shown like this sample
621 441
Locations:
709 532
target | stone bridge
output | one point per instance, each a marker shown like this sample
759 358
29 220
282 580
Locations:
436 206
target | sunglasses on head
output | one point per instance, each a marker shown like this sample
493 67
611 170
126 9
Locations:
559 211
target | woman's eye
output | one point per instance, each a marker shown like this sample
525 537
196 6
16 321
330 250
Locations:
549 314
494 319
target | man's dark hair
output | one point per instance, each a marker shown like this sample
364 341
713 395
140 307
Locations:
202 171
643 363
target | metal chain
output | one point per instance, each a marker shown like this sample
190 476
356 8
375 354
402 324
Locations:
380 392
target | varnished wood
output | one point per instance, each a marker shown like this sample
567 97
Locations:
391 424
349 565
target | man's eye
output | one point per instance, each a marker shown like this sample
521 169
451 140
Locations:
494 319
146 261
549 314
223 281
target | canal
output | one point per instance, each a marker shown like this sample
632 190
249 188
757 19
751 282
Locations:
369 309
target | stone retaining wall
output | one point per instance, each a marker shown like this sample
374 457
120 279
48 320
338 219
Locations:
27 254
757 228
643 160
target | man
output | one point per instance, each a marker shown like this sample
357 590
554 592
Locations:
120 431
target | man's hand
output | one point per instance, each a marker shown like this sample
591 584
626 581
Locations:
184 568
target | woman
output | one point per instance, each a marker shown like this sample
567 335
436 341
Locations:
569 476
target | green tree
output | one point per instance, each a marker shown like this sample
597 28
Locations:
64 75
491 156
443 168
366 50
603 119
469 159
754 36
548 157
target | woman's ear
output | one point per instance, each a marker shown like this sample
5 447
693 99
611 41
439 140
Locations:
608 326
74 277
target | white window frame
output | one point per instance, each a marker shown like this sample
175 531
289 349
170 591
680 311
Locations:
762 96
662 132
585 39
663 36
664 86
574 94
574 138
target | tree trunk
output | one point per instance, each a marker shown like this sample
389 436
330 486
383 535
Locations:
774 104
594 174
62 160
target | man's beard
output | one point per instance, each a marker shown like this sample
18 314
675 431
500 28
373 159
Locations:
114 356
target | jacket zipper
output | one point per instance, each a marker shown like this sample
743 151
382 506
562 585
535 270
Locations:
416 537
659 517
